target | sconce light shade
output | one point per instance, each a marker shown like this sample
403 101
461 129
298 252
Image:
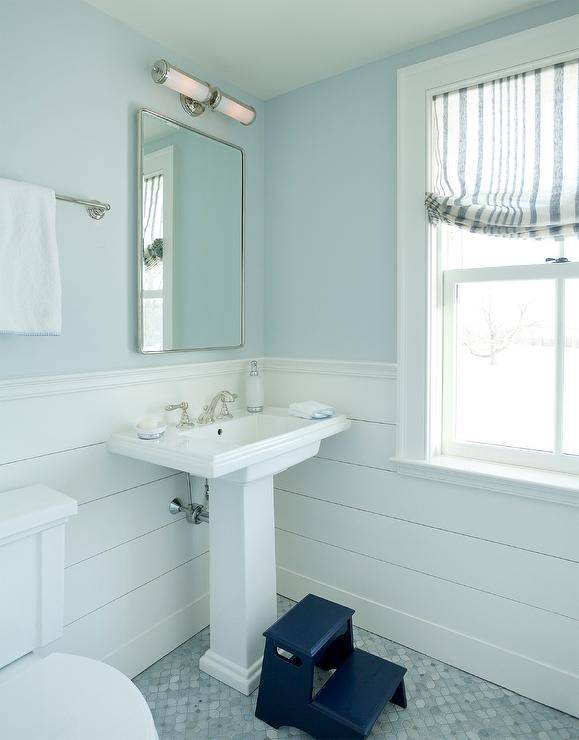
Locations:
198 96
164 74
233 108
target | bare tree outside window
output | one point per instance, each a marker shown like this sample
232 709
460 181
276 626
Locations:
494 334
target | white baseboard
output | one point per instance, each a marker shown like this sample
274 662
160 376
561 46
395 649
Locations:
151 645
538 681
243 680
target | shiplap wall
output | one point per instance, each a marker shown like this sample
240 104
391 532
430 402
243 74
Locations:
485 581
136 581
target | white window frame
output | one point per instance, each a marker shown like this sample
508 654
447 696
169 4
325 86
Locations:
420 289
160 162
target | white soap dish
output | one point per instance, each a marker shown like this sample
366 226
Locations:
154 433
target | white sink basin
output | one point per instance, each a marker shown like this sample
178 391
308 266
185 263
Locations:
242 455
253 446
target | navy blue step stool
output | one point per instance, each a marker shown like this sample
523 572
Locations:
317 632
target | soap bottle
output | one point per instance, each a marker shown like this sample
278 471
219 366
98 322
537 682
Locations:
254 389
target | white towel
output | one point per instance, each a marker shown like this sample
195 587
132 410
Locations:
30 293
311 410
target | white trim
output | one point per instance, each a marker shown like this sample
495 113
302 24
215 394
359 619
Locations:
418 296
557 488
16 388
244 680
331 367
560 341
548 43
556 462
546 271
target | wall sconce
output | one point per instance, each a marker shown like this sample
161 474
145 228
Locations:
196 95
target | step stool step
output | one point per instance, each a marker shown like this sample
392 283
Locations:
310 625
359 690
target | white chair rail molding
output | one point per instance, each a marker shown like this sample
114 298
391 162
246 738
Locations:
289 437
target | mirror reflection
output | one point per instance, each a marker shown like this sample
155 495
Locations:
191 245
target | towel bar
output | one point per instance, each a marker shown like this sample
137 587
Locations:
95 208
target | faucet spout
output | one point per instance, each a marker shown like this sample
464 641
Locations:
210 414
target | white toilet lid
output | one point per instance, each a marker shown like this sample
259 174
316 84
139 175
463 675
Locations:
67 697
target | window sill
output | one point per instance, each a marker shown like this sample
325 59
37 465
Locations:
544 485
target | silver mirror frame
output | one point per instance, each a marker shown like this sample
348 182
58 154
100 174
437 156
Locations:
175 122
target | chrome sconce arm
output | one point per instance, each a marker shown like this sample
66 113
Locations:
192 107
197 95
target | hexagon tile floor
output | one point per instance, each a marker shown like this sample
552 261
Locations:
443 702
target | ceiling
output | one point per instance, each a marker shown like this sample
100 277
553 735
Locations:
268 47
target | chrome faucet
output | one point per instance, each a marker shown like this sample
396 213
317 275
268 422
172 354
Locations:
184 422
209 414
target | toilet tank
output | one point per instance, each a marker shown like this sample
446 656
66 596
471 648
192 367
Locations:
32 523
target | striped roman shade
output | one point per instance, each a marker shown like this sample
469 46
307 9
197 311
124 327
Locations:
506 155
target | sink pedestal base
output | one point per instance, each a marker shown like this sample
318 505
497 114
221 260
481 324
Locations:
242 580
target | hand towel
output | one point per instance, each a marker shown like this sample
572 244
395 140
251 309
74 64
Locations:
311 410
30 292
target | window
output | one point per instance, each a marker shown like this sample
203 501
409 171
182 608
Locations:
488 331
157 276
505 187
510 352
153 262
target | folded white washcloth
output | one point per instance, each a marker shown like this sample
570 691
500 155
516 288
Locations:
30 294
311 410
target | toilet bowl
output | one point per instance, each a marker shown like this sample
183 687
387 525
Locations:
61 696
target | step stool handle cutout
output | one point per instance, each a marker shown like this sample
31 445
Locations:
288 657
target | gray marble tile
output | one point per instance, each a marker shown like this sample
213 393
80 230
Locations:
443 702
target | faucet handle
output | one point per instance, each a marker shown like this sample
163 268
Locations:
227 397
184 421
174 406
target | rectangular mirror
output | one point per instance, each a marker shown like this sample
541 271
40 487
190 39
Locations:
191 203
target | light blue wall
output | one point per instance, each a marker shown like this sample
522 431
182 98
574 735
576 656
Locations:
69 94
69 99
330 204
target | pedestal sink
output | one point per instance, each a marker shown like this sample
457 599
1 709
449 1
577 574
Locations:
242 455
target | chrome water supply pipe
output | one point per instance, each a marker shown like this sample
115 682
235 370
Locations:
194 513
